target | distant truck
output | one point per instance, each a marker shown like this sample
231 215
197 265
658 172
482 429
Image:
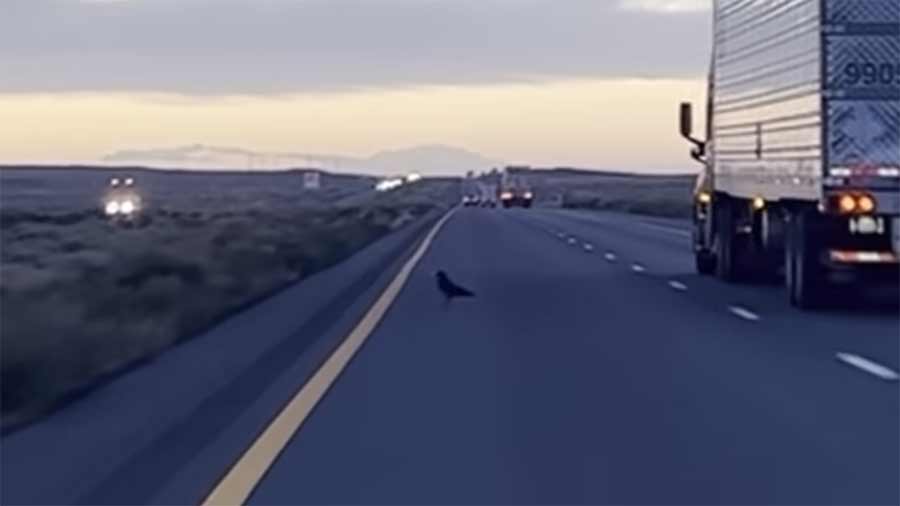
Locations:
802 150
488 194
516 197
479 193
513 192
122 201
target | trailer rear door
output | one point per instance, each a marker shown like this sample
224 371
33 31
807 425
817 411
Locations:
861 98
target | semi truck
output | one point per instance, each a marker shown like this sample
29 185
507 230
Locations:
516 196
801 155
488 195
513 191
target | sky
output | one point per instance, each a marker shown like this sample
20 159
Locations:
587 83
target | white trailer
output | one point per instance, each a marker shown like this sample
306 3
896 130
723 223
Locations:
488 194
802 151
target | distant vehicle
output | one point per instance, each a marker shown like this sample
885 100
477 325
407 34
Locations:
471 201
488 195
802 151
513 192
122 200
312 180
516 197
526 198
386 185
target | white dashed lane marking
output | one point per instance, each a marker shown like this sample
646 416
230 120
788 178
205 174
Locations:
610 257
588 247
573 241
744 313
638 268
868 366
678 285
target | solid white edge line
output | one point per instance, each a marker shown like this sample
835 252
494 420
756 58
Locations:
677 285
868 366
744 313
243 477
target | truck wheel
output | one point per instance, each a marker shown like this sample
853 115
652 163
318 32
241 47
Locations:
705 262
804 273
766 240
704 259
727 243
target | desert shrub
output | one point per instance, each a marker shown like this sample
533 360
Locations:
10 218
81 297
643 197
660 195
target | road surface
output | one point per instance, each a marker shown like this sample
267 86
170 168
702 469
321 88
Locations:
593 367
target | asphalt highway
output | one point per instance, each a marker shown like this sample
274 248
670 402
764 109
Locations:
592 367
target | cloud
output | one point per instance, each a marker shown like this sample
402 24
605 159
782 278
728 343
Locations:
285 46
667 6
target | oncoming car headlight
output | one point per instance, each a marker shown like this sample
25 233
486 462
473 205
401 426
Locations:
122 199
126 207
121 207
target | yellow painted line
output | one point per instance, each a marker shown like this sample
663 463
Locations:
243 477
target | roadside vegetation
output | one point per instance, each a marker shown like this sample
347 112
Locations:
83 297
656 195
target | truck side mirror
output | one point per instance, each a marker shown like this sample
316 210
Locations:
687 119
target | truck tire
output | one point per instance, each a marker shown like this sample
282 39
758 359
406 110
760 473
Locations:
705 262
704 259
804 273
768 240
728 246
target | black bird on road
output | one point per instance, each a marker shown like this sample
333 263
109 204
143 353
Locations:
450 289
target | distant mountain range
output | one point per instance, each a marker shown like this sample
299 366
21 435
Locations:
431 160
